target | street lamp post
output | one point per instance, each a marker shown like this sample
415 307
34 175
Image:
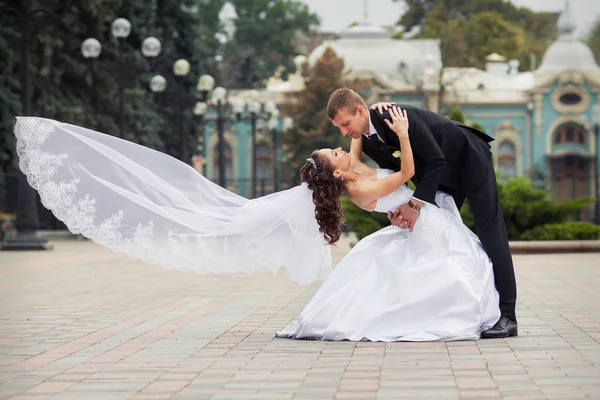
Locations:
288 124
121 29
27 221
182 101
199 112
206 83
218 99
254 108
181 68
273 126
596 122
530 137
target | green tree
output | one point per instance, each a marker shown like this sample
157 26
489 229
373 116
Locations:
10 104
593 40
69 88
312 127
470 30
264 40
487 33
443 23
66 88
186 31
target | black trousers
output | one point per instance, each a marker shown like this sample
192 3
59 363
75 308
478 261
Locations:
491 230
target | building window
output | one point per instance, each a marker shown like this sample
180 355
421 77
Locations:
228 163
570 99
264 164
507 160
571 179
569 133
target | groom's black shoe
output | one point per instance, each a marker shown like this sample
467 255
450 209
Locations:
504 328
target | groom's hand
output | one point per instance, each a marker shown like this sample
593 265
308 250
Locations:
409 216
404 217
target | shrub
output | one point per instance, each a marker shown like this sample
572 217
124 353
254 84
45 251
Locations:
467 217
563 231
478 126
457 115
362 222
525 207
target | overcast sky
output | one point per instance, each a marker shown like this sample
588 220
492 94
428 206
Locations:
337 14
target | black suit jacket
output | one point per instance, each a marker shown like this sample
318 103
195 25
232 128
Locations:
449 156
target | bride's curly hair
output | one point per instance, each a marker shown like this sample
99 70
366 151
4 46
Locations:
327 190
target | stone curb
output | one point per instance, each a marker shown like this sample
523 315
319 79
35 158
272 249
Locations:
555 246
348 240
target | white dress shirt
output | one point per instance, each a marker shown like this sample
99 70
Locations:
373 131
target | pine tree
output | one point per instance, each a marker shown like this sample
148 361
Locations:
10 104
67 87
186 31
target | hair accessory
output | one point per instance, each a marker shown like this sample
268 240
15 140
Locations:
312 162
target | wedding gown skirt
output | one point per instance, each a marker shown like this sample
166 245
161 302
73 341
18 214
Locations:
435 283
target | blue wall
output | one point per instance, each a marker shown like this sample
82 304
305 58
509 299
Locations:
489 116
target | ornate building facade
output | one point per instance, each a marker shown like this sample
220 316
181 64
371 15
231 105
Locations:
541 120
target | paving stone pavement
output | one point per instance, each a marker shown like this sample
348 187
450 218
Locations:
82 322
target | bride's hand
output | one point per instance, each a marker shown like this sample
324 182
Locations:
381 106
399 122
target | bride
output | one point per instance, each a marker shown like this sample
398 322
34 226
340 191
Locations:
434 283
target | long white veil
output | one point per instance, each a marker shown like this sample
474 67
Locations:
153 207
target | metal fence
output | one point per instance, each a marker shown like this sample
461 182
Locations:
243 187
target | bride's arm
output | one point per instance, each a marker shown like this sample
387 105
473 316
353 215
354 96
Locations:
356 148
368 192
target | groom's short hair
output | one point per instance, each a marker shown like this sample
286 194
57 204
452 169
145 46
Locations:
344 99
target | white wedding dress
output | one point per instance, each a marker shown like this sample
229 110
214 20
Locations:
435 283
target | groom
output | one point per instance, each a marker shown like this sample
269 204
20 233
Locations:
450 157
